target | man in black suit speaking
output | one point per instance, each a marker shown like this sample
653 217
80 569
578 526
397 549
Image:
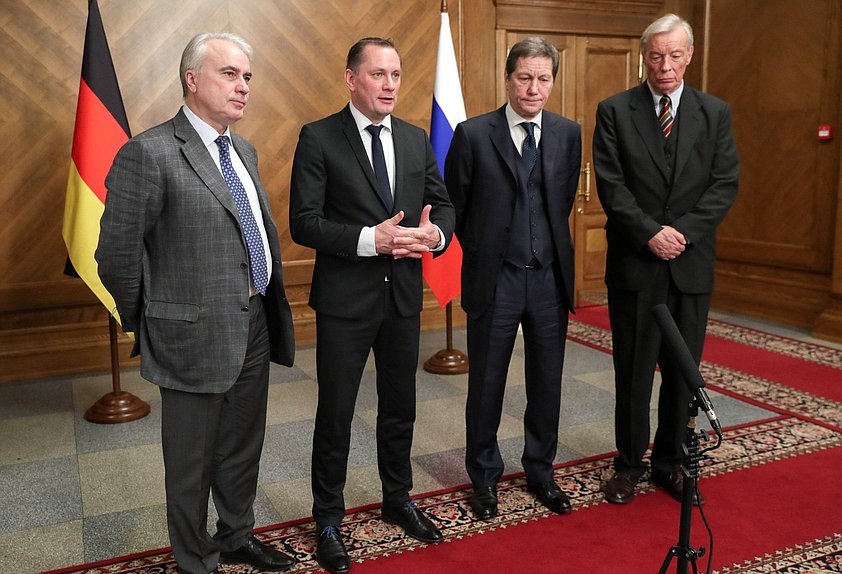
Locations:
366 194
512 176
666 173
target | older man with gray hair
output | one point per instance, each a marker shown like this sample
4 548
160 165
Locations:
190 252
666 173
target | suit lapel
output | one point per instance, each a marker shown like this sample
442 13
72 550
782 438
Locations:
401 149
197 156
250 162
352 134
501 138
644 120
552 149
550 143
689 118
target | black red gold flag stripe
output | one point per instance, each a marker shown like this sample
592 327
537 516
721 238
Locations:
101 129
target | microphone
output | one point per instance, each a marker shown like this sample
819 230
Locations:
672 337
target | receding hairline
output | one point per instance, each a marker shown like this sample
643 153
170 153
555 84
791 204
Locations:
194 54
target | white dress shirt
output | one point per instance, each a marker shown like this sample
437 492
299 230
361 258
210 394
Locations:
518 132
675 99
365 245
208 136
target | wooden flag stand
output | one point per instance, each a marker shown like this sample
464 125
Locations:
448 361
117 406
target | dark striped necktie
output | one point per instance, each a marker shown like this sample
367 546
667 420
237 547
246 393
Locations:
665 118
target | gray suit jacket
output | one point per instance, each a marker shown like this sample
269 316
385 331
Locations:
172 254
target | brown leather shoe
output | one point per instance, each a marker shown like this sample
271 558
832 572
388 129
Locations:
619 489
673 484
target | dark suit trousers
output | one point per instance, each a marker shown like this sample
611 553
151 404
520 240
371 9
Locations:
531 298
637 348
212 442
342 348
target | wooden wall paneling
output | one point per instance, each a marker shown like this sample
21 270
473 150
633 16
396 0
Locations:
610 18
775 246
478 55
788 178
604 67
828 324
300 50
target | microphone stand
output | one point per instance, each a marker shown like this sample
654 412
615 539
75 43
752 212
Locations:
690 469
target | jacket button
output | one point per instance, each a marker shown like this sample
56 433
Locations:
245 309
244 266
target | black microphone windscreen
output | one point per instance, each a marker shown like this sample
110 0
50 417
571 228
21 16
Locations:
672 337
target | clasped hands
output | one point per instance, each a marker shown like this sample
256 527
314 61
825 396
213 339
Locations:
398 241
668 243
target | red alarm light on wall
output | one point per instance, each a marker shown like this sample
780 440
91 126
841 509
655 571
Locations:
825 133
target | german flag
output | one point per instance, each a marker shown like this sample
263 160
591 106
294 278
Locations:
101 129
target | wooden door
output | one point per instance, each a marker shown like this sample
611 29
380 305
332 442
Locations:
604 66
591 69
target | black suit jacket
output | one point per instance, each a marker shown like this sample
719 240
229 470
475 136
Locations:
333 195
638 195
481 176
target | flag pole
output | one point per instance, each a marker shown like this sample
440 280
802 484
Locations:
447 361
101 127
117 406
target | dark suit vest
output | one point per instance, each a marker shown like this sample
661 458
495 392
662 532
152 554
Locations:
530 236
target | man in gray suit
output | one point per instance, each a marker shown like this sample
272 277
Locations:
190 252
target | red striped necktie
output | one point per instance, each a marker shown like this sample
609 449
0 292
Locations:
665 118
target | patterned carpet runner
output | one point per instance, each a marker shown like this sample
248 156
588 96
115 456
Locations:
771 490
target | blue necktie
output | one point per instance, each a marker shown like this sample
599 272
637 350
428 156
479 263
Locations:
257 257
529 152
379 161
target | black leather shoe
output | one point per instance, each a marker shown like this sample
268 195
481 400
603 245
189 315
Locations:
484 502
413 522
673 484
619 489
330 551
257 554
550 495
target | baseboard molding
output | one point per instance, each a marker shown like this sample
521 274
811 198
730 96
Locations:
60 350
800 299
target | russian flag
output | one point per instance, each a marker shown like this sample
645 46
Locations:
443 274
101 129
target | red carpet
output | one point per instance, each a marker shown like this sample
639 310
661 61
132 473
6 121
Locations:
750 514
770 490
783 374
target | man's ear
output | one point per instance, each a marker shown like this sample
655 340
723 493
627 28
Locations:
190 80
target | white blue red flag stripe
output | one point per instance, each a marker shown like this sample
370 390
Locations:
443 272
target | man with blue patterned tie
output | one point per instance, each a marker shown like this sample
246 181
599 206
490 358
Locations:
190 252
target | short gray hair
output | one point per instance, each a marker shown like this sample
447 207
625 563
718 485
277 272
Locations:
194 53
531 48
664 24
